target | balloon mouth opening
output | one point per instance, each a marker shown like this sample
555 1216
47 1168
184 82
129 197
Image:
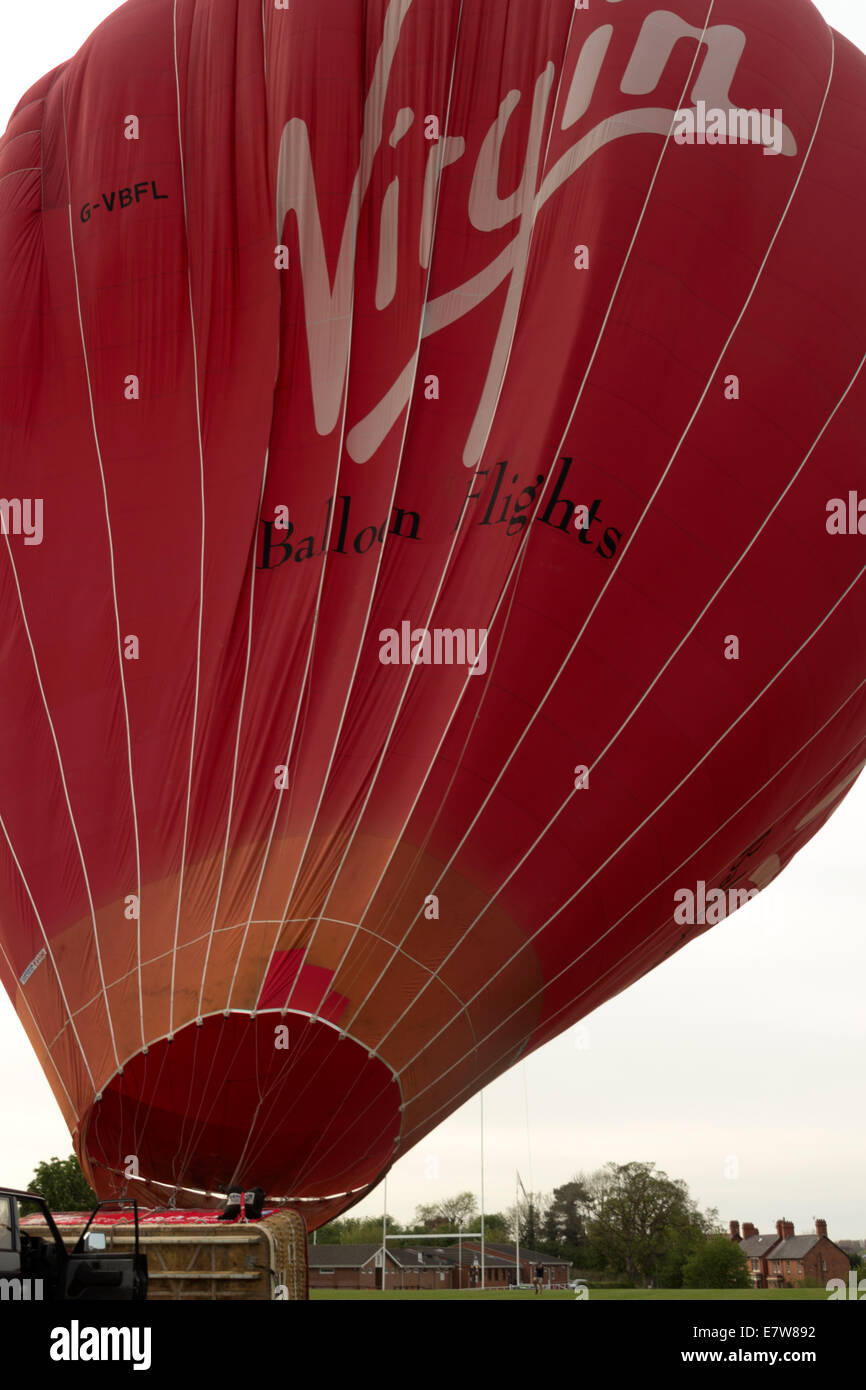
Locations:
277 1100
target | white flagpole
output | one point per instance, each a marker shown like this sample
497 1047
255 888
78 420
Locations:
483 1285
384 1233
517 1223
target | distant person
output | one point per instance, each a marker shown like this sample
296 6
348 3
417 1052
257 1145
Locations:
538 1281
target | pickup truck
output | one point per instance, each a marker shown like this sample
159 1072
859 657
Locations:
37 1267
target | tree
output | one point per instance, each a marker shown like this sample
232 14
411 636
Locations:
530 1221
686 1236
496 1228
355 1230
459 1210
63 1185
719 1264
563 1221
634 1208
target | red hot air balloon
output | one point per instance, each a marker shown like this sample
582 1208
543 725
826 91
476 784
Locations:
431 458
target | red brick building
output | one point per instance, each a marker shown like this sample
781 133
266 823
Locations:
785 1260
500 1263
360 1267
756 1248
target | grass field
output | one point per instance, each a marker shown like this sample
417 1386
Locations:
595 1295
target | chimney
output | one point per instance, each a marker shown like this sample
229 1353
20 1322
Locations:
780 1230
789 1230
735 1230
821 1229
749 1230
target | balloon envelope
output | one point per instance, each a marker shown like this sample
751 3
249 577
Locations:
432 588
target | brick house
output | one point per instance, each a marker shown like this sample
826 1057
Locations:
360 1267
798 1258
785 1260
346 1266
421 1268
500 1263
756 1248
498 1268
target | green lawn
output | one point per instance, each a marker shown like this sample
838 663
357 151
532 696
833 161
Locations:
595 1295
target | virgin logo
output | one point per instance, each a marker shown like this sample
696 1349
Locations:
327 304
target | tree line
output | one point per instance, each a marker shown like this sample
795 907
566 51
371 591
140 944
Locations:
624 1222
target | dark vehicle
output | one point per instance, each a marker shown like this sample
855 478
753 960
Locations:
35 1267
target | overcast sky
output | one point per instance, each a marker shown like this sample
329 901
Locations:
737 1066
